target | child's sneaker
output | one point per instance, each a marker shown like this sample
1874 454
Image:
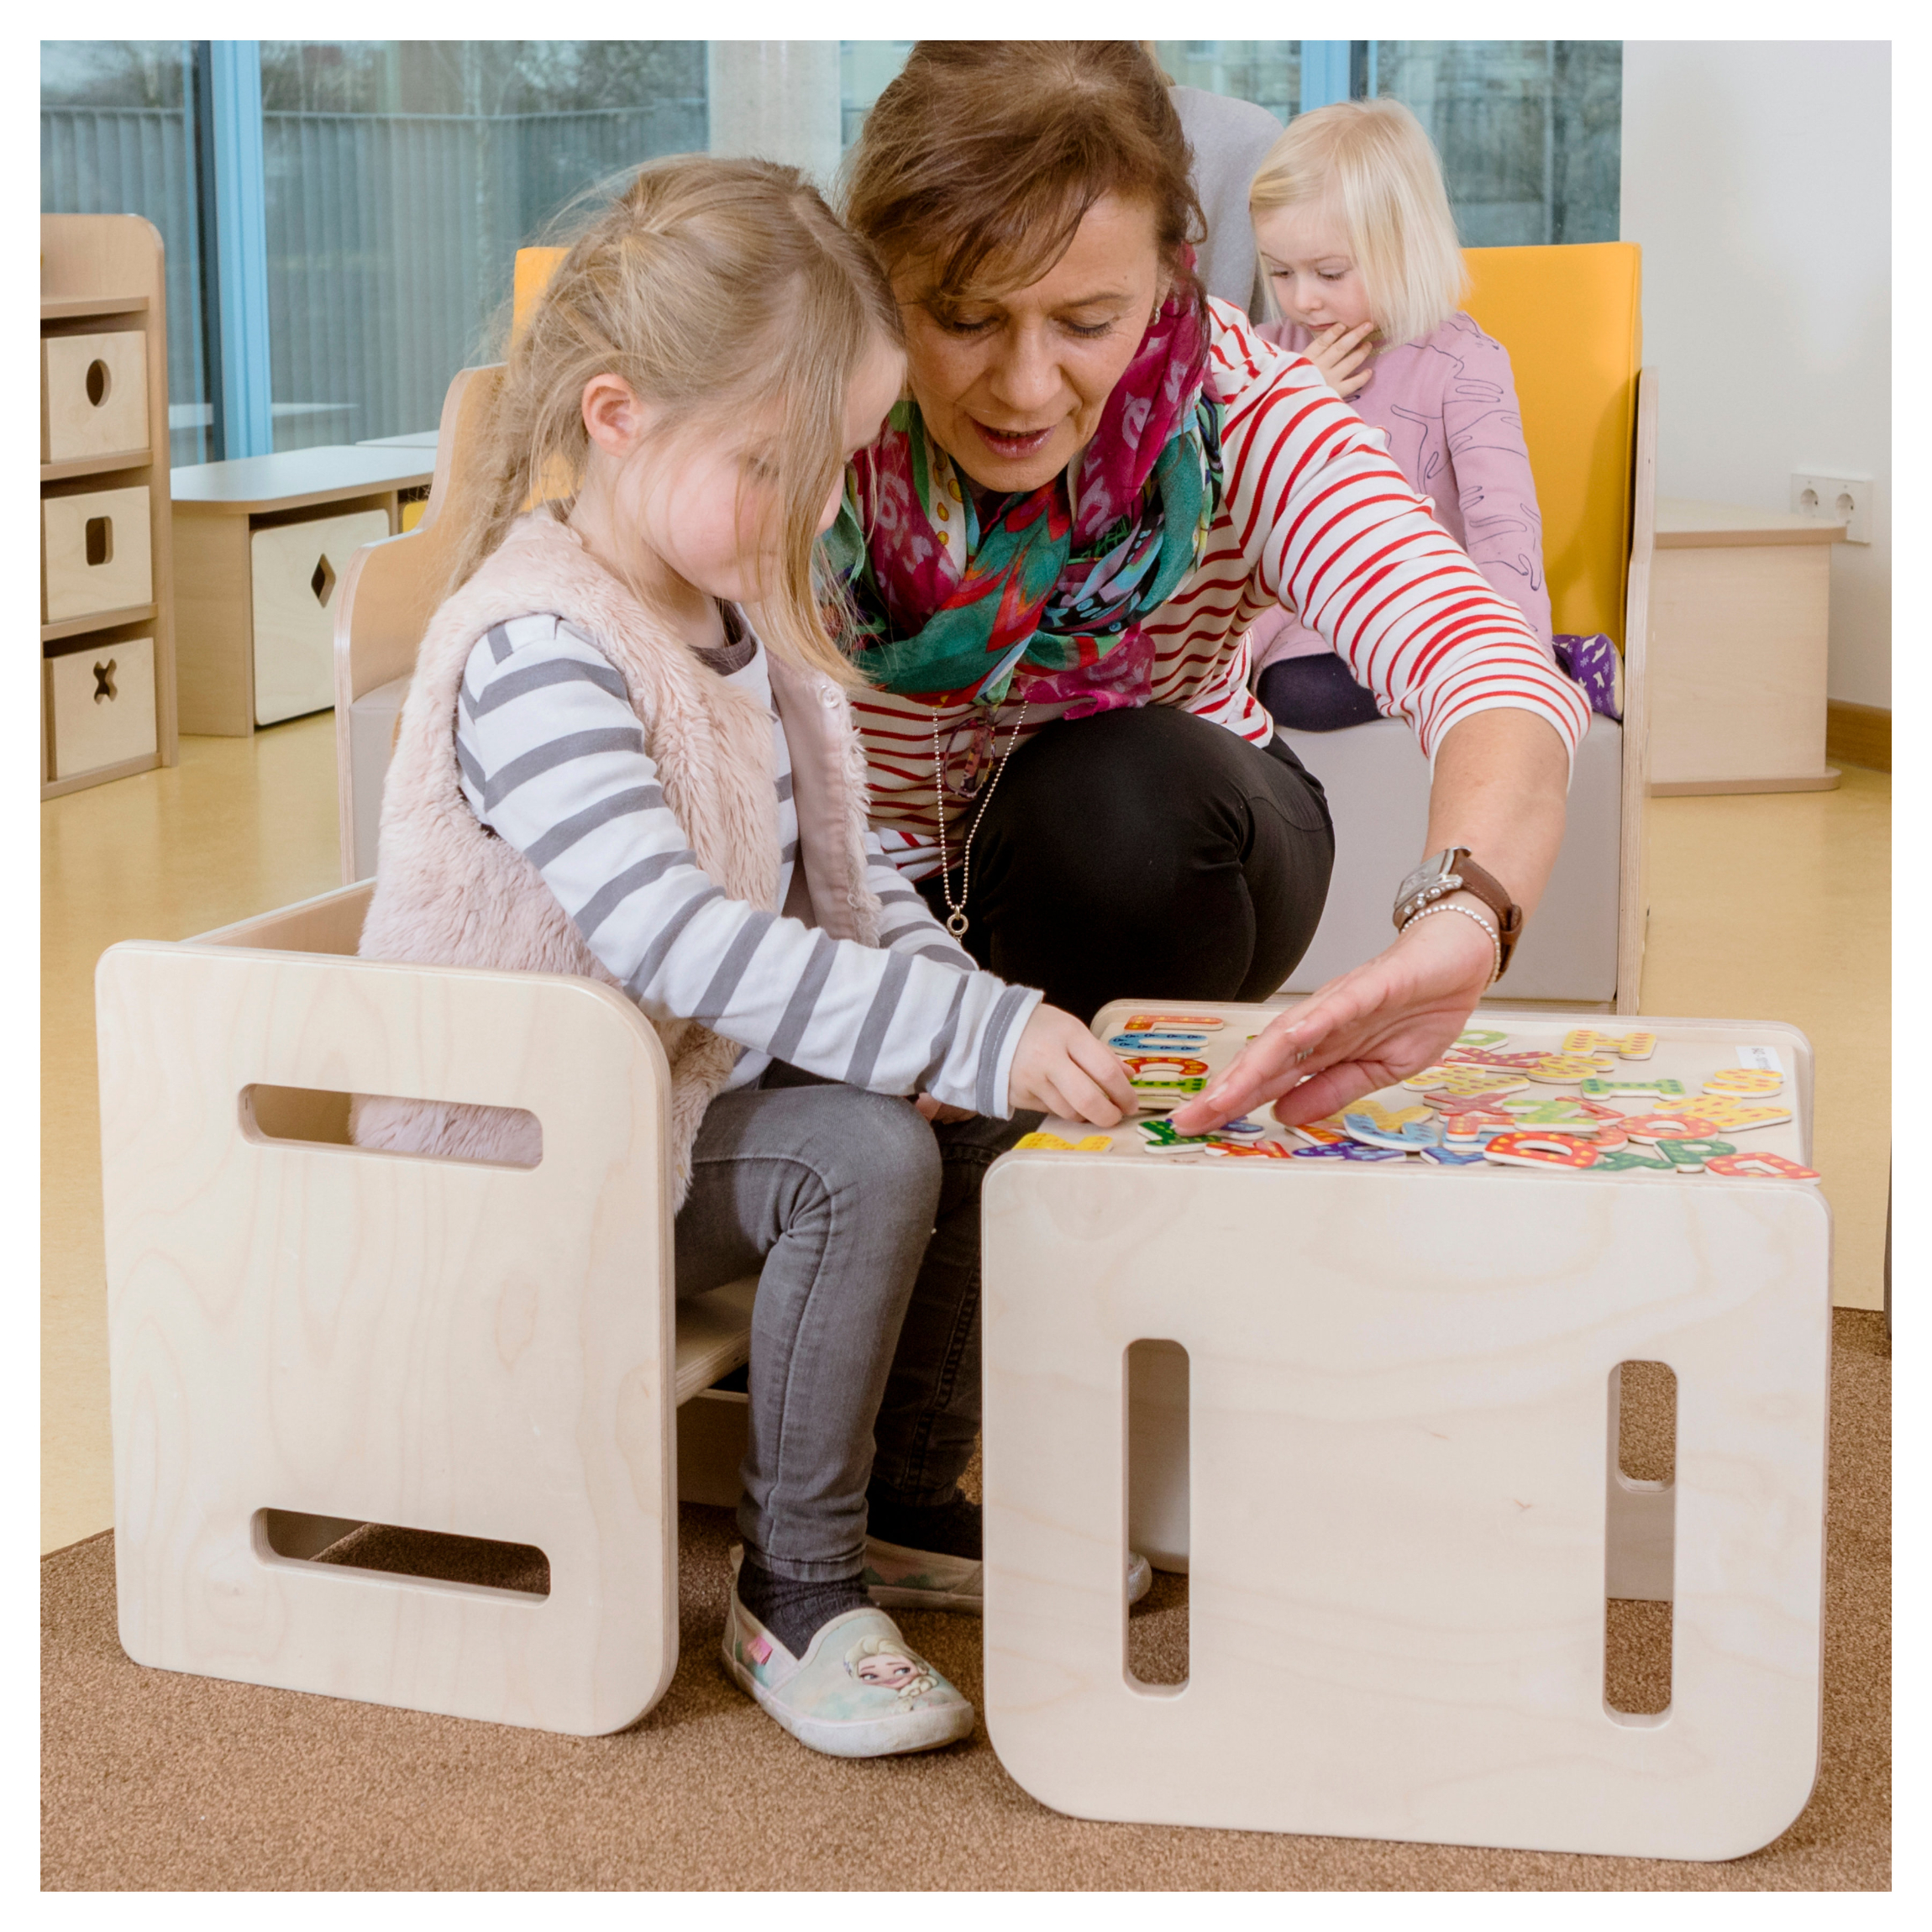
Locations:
902 1579
860 1690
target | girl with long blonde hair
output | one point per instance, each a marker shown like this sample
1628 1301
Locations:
627 753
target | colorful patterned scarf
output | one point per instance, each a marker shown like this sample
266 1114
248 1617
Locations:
954 606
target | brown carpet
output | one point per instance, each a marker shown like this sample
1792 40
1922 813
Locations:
152 1780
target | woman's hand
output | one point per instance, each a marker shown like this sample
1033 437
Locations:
1341 354
1059 1068
1368 1029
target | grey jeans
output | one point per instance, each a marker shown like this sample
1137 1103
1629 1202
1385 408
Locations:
865 1334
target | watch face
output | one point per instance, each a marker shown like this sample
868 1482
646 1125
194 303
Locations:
1429 873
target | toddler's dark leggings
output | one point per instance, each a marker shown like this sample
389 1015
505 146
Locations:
1314 693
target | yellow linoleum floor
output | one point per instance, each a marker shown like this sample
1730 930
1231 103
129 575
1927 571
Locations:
1767 907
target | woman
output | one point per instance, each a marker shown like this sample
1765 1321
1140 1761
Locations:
1099 479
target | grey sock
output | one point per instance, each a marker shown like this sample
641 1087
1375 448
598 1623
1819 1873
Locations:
796 1612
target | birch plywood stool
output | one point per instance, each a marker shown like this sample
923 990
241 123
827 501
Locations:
307 1338
1403 1510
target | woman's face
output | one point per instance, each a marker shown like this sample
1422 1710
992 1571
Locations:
1012 386
1305 255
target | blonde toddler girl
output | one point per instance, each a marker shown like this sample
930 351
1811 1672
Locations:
627 753
1359 257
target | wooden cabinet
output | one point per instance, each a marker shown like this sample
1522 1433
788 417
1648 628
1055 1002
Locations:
100 705
261 545
93 396
1739 628
294 570
95 554
107 617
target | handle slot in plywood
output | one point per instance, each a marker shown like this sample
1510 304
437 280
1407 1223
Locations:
519 1570
1639 1560
309 1116
1157 1420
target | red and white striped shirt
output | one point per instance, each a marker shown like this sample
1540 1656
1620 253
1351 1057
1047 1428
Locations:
1315 516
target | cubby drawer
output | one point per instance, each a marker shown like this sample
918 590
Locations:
100 705
94 553
295 569
93 396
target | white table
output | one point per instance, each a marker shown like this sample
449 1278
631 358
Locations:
1403 1510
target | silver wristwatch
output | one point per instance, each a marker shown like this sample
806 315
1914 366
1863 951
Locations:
1456 871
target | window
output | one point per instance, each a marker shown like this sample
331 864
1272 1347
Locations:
397 178
401 178
866 68
1530 132
115 140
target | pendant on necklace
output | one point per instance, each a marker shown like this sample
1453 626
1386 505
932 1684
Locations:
956 925
969 752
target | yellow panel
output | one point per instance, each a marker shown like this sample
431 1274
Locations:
412 513
535 268
1571 321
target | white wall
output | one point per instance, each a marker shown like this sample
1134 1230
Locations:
1757 175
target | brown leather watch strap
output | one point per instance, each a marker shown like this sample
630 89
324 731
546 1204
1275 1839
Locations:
1509 913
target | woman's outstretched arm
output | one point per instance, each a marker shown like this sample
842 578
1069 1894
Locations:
1500 784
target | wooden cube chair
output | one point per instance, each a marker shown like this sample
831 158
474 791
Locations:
306 1338
1570 318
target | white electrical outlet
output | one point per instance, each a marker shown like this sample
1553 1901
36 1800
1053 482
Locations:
1844 500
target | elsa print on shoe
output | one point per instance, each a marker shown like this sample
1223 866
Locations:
881 1663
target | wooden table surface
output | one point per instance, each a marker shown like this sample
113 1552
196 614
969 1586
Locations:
1684 524
295 477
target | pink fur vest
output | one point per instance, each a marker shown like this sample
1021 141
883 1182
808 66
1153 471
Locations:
448 893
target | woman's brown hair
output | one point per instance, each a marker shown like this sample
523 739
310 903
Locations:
717 289
978 163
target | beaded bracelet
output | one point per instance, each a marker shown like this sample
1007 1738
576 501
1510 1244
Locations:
1468 912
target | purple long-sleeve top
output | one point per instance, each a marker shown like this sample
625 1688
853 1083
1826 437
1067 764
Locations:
1447 405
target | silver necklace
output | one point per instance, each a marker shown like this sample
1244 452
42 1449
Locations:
955 910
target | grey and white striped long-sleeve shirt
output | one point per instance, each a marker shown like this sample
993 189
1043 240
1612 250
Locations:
553 760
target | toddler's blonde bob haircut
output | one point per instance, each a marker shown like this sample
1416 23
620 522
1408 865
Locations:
724 292
1373 160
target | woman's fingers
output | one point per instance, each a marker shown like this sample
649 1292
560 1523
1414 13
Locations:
1329 1027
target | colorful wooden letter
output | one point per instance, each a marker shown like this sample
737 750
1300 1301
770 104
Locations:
1744 1084
1539 1151
1625 1046
1749 1166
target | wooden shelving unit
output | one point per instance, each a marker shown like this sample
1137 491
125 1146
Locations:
104 273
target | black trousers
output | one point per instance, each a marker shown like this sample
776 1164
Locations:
1146 854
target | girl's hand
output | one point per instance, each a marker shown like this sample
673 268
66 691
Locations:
1368 1029
1340 353
1059 1068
